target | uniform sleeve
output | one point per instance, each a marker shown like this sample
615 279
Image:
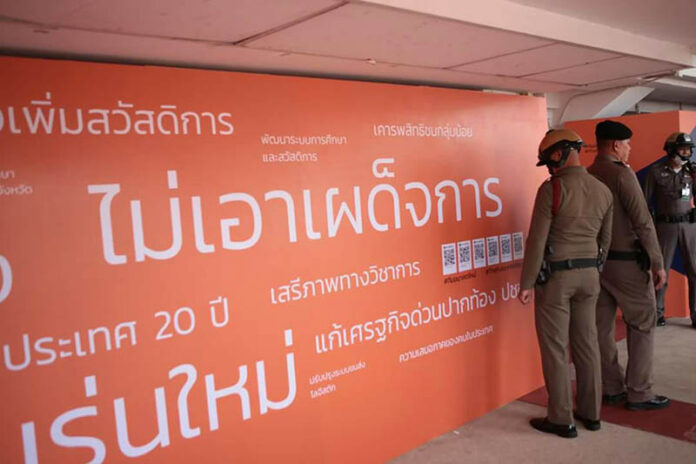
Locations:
538 234
605 231
634 202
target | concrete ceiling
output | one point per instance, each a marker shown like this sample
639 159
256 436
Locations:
670 20
528 45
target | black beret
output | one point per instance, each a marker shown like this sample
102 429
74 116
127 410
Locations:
612 130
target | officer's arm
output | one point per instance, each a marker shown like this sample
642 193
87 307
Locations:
538 235
636 207
605 231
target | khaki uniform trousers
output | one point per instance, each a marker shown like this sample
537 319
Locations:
684 234
565 311
626 285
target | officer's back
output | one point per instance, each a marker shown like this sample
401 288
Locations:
568 224
584 201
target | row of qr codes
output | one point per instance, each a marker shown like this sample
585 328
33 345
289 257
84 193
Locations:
488 251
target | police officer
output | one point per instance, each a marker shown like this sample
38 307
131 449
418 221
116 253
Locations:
571 224
671 183
626 280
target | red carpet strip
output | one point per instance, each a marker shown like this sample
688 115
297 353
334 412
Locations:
677 421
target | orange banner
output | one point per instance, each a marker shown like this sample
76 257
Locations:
202 266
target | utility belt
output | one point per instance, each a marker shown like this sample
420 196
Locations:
568 264
547 267
639 256
687 217
616 255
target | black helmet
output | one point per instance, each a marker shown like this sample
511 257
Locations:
677 140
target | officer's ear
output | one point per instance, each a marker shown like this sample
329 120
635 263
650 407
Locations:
556 155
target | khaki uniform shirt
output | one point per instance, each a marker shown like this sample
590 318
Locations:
672 190
581 225
632 219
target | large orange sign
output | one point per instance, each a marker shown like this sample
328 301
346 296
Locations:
223 267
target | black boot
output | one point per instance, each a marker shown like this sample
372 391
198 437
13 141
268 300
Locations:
613 399
589 424
658 402
543 425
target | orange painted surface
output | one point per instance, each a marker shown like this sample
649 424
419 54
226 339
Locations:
121 244
687 121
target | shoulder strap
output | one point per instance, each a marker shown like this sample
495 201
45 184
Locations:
556 184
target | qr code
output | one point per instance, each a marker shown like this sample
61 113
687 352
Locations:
479 253
464 252
517 245
493 250
505 248
449 259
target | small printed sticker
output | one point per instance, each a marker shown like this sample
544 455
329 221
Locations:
505 248
517 245
449 259
479 253
493 250
464 255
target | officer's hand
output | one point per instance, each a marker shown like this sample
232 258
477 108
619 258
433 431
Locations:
525 296
659 277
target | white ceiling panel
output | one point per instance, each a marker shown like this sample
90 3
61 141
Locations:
328 38
215 20
542 59
671 20
128 48
104 47
393 36
605 71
